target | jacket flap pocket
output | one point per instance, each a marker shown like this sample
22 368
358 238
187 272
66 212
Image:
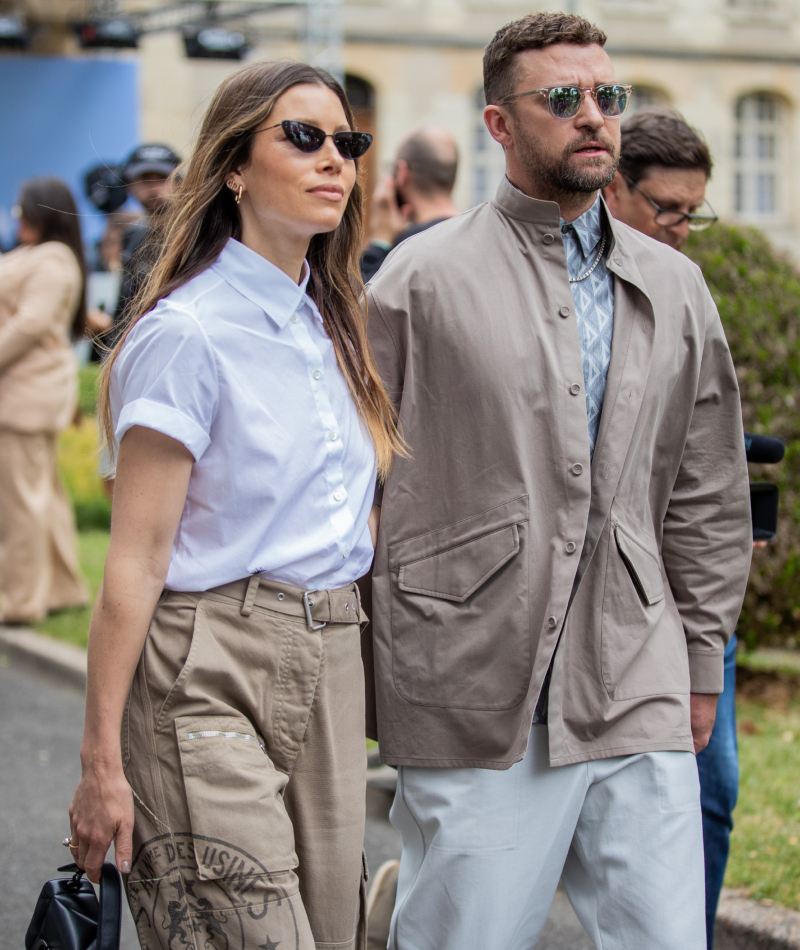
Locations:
457 573
235 798
452 535
644 569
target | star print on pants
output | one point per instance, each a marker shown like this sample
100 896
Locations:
269 945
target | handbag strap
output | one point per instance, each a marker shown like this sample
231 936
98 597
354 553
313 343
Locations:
110 917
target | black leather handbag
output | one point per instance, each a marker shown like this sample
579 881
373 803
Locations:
68 915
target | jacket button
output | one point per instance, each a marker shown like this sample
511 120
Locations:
570 547
577 468
564 311
574 389
551 622
548 239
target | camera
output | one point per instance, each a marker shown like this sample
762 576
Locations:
765 450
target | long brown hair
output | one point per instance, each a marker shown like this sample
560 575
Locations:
47 205
201 215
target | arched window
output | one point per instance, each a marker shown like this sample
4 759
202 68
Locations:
644 95
488 158
758 152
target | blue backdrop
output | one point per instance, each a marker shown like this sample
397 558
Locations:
61 117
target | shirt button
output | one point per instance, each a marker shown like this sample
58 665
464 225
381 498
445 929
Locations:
569 547
548 239
332 436
317 374
337 495
346 552
564 311
574 389
294 318
551 622
577 468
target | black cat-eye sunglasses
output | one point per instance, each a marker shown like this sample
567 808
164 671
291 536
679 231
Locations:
308 138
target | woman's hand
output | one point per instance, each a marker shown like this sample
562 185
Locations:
101 812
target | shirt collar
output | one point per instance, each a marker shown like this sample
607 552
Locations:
588 228
261 281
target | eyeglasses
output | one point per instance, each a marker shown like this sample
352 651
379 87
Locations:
565 101
669 218
308 138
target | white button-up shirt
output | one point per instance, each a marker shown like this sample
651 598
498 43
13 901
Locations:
237 366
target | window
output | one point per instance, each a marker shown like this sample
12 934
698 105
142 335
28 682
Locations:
488 158
758 155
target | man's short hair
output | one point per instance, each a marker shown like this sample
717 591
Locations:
432 170
535 31
657 135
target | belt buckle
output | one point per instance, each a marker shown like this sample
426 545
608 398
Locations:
308 604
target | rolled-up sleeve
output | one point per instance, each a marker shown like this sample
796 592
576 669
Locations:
166 379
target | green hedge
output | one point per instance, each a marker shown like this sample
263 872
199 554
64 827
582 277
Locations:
757 291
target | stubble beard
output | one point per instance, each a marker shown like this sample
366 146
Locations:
559 176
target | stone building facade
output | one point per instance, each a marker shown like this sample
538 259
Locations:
732 67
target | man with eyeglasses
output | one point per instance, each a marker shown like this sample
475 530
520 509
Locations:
660 190
660 185
564 551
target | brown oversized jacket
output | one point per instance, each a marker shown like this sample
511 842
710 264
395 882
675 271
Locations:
39 290
500 540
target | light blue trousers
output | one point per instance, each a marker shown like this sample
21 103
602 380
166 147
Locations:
483 852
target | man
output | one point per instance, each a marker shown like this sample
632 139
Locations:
566 544
660 190
147 173
417 195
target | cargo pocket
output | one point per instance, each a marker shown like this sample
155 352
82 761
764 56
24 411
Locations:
643 648
234 796
459 612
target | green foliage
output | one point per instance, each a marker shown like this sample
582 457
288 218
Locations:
87 388
78 456
757 291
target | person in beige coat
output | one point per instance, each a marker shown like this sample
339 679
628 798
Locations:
562 557
42 306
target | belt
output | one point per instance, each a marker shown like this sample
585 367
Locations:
317 607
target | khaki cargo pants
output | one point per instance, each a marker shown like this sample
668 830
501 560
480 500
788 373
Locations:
243 741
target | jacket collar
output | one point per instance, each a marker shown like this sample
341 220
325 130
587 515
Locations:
513 203
264 284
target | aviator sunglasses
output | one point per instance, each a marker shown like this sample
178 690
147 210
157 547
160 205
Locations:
308 138
565 101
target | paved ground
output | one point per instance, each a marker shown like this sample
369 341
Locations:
40 733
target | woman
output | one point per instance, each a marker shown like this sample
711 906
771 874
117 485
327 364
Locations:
42 309
250 419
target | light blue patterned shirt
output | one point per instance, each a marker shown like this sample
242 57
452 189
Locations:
594 307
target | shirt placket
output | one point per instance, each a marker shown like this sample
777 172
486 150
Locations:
339 512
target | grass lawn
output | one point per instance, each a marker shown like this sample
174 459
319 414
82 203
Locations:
765 846
73 625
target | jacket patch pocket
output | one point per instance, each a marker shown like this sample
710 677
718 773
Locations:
643 647
234 795
643 567
460 618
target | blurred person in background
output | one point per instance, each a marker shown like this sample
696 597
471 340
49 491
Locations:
415 196
660 189
42 309
147 172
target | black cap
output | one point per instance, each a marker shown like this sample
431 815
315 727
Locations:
150 158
